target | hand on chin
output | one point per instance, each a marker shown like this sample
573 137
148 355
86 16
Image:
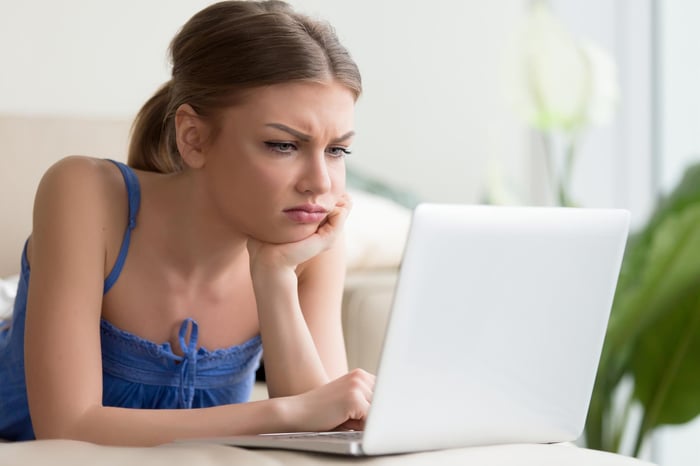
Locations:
311 240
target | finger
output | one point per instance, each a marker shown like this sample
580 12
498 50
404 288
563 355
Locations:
345 201
351 424
371 378
334 222
367 390
341 210
346 197
363 383
345 204
368 377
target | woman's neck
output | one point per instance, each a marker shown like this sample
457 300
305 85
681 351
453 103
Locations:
186 233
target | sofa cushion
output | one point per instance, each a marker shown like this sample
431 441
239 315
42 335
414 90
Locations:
73 453
375 232
366 306
8 291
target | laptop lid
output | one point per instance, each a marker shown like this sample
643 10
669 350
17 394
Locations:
496 328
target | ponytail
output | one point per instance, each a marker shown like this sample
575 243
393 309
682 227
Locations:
152 145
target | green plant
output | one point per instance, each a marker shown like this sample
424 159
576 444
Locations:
653 336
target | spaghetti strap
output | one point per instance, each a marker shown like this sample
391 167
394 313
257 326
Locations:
133 191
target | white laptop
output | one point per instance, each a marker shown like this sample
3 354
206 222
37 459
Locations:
495 333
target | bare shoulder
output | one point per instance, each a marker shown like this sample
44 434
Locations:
78 196
76 173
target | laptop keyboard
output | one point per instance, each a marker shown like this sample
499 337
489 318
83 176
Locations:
340 435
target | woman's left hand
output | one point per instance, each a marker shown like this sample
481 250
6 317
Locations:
289 255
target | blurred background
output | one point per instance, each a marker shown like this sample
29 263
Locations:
591 103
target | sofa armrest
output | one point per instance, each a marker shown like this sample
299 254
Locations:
366 304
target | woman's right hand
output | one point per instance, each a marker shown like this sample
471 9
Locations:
341 404
290 255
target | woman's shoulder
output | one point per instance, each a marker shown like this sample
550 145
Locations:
88 178
80 201
78 186
79 167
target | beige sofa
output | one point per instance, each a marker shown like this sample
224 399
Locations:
376 231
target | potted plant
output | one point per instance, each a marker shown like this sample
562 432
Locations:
653 337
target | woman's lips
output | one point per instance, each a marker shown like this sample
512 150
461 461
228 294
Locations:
304 215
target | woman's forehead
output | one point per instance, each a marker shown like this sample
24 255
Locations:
303 105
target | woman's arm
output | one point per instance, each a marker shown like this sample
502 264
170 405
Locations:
298 289
321 284
345 401
67 255
62 339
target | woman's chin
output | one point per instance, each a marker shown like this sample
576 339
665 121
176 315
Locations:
291 235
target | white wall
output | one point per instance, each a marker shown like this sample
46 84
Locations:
430 117
679 93
83 57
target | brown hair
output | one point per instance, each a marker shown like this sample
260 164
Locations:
229 47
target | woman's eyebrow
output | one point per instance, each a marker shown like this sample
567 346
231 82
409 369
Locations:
342 138
293 132
305 137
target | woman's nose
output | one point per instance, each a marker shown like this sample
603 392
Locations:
314 175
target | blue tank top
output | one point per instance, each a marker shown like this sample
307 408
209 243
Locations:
137 373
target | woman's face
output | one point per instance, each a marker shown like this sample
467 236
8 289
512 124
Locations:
276 167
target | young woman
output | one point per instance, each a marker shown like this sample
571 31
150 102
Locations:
155 286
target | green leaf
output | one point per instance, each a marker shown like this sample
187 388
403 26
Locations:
656 270
665 365
652 332
666 355
666 308
652 271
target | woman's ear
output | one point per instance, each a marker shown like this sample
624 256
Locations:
191 135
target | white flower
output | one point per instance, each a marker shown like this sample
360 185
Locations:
556 81
498 189
605 92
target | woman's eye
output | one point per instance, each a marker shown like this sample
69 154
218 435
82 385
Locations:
338 151
281 147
